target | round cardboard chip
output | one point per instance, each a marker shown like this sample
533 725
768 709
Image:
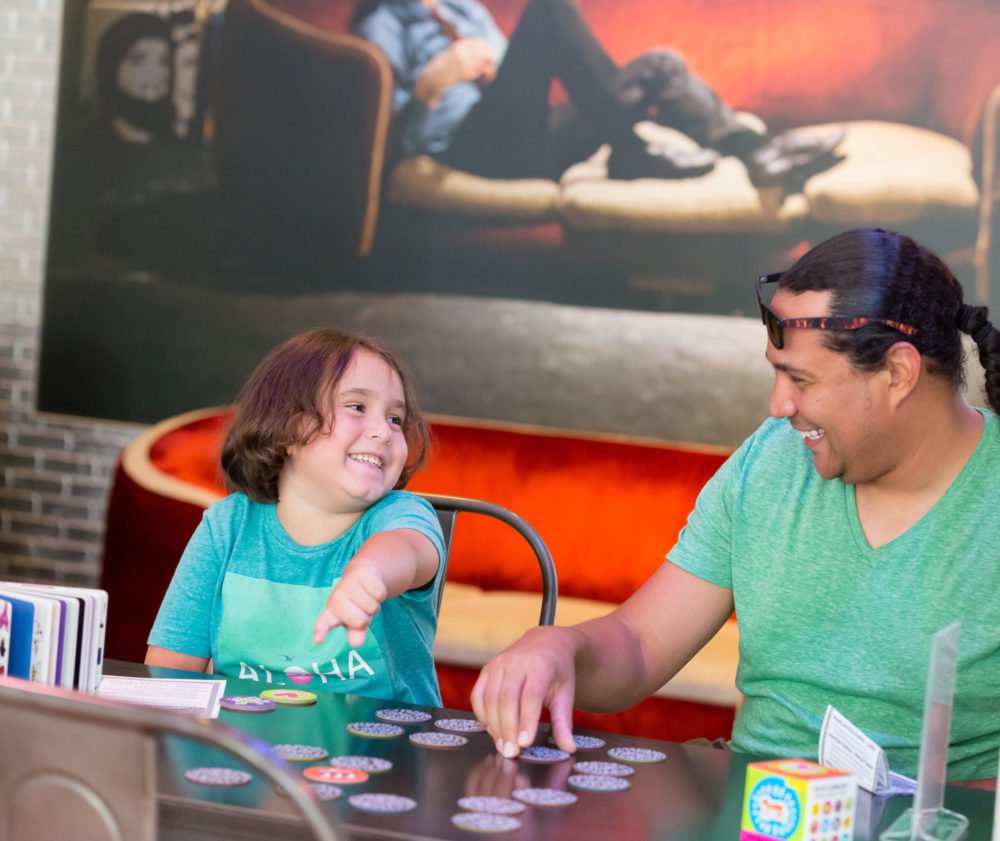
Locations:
544 796
373 802
537 753
460 725
493 805
398 716
246 704
371 764
630 754
430 739
217 776
604 769
301 753
583 742
485 822
374 729
290 697
325 791
335 774
597 782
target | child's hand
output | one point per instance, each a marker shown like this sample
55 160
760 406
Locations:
353 603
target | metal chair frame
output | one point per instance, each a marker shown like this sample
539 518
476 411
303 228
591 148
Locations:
60 741
449 507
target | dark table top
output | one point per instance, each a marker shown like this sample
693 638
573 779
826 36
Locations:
695 793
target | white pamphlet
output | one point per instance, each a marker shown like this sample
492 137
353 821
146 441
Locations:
842 745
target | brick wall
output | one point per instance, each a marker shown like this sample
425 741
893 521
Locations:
56 471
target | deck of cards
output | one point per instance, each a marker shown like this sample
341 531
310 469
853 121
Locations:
52 635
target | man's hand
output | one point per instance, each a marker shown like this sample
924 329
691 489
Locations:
464 60
538 670
353 603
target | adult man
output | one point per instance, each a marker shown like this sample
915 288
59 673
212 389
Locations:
467 96
848 529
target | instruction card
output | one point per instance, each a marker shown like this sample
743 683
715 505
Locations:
844 746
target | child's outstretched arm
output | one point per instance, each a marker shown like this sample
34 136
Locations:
387 564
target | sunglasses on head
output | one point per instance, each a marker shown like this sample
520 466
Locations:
776 326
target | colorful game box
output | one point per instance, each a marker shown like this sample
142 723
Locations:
797 800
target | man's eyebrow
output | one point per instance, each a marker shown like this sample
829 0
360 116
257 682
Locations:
785 368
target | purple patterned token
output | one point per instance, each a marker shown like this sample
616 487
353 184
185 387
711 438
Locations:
484 822
398 716
583 742
596 782
630 754
604 769
544 796
460 725
493 805
537 753
217 776
374 729
371 764
301 753
430 739
325 791
246 703
372 802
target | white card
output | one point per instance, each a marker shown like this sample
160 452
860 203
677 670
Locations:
842 745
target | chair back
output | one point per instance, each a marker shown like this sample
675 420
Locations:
77 766
449 507
301 121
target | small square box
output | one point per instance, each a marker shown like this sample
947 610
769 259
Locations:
797 800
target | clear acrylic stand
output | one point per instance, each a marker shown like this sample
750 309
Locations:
928 820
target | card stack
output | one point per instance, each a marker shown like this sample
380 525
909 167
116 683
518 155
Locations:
53 635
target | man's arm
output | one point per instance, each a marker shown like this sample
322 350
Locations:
603 665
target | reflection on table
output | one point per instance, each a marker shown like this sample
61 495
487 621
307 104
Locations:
695 793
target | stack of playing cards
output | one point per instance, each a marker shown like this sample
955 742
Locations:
52 635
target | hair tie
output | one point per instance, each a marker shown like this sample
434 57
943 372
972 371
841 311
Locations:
982 333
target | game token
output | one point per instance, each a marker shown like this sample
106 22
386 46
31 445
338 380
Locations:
371 802
583 742
536 753
604 769
371 764
493 805
629 754
290 697
403 716
374 729
246 703
460 725
484 822
544 796
217 776
597 782
335 774
325 791
430 739
300 753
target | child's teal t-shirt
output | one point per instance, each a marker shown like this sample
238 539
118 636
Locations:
247 595
826 619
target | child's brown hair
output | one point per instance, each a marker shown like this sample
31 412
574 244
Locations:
286 401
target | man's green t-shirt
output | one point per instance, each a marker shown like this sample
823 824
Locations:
826 619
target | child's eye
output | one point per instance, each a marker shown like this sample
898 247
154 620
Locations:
396 419
357 407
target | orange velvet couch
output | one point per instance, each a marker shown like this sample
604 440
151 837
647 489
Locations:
608 507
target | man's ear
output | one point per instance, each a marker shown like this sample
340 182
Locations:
903 367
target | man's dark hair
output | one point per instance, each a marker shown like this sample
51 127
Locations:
881 274
287 401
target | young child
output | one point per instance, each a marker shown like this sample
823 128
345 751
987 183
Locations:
326 429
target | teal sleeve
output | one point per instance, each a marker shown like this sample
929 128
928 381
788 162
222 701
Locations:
184 621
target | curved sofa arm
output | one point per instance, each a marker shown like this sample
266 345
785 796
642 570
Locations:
987 196
301 124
